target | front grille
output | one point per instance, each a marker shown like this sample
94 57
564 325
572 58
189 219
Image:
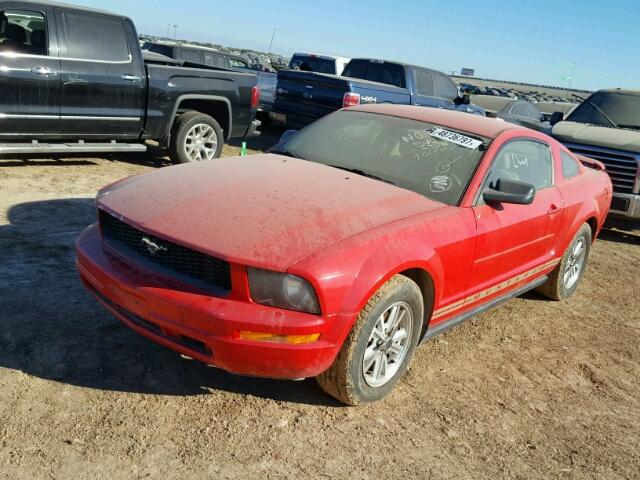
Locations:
184 264
621 166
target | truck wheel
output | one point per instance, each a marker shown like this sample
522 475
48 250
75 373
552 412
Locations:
195 137
380 346
564 280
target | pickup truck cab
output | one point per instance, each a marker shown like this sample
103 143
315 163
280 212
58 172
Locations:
306 96
312 62
215 58
606 126
74 79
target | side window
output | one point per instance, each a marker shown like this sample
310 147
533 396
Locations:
237 63
570 166
444 87
533 112
192 56
23 31
518 109
95 37
525 161
424 82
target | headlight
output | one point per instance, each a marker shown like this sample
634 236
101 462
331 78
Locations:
282 290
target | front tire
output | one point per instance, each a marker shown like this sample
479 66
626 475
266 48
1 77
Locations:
195 137
379 348
564 280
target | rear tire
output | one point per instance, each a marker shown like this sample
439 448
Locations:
564 280
380 346
195 137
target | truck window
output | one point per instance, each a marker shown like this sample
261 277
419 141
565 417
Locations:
518 109
95 37
308 63
376 71
237 63
192 56
424 82
23 31
444 87
165 50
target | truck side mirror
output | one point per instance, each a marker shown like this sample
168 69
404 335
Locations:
556 117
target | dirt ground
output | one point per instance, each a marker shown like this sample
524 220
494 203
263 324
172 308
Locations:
533 389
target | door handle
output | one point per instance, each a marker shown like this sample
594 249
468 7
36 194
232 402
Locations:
553 209
131 78
45 71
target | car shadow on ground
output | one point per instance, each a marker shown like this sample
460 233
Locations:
621 231
51 328
268 137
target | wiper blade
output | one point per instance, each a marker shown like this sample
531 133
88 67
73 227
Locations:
357 171
630 127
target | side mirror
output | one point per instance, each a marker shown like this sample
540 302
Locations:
556 117
510 191
287 135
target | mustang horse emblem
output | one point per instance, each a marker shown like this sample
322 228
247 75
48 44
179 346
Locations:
152 247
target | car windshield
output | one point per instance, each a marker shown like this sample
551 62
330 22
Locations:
609 109
429 159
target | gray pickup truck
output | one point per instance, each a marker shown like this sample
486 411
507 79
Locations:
606 126
74 79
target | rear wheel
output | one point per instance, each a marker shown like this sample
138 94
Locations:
564 280
195 137
380 346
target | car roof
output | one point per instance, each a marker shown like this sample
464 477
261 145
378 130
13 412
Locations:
466 122
48 3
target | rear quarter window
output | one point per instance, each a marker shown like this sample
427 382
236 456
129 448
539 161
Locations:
570 167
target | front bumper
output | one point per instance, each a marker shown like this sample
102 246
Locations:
624 205
207 328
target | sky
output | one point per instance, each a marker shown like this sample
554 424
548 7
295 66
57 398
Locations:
535 41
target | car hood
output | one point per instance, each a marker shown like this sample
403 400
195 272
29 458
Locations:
585 134
262 210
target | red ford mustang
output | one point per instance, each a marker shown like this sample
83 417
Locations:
337 253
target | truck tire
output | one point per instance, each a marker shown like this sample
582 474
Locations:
195 137
380 346
564 280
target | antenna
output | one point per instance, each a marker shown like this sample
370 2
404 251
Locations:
273 35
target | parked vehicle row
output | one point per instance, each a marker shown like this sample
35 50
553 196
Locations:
74 79
303 97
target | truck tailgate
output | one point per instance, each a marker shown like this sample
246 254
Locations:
309 94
